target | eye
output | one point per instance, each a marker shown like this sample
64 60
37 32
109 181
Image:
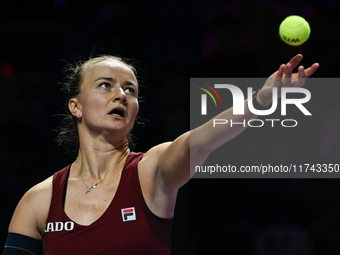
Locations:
105 85
130 90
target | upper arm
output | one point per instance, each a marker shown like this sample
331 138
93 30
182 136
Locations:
164 169
175 161
31 212
170 162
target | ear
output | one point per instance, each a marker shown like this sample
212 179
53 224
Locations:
75 108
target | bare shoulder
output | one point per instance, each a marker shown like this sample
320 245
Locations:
165 152
32 210
151 156
170 161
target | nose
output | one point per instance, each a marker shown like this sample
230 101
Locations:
120 96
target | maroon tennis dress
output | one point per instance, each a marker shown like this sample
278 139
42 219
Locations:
126 227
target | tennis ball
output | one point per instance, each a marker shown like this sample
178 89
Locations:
294 30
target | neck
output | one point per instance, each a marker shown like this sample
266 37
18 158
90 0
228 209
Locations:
94 161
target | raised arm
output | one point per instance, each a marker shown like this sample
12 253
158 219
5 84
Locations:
174 157
172 160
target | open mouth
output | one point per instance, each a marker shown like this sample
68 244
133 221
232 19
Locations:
117 112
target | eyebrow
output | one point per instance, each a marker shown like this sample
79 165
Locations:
113 80
105 78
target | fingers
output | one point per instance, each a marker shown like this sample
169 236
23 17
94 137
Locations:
301 72
278 76
287 80
309 71
299 78
284 77
295 60
305 73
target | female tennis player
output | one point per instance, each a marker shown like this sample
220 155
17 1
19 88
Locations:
111 200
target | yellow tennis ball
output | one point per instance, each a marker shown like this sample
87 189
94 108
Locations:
294 30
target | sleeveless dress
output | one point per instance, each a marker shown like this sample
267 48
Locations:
126 227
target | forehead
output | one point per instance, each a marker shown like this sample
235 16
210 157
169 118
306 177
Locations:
108 68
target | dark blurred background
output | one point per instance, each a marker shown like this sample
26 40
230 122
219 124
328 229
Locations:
170 42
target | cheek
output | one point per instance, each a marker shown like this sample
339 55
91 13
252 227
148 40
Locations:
91 104
135 108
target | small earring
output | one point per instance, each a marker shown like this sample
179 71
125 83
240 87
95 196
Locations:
78 115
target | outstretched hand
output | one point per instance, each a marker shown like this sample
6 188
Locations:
284 77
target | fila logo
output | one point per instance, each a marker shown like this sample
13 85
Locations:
129 214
